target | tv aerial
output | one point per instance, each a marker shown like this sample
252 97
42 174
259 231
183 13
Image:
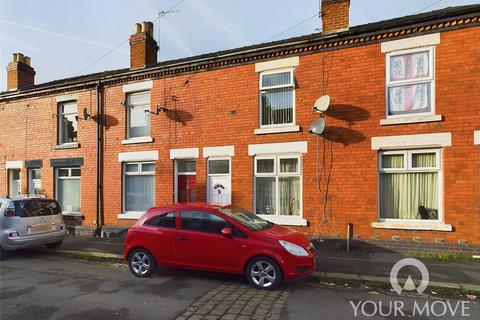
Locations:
322 103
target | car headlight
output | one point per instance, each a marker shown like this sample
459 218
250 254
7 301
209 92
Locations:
293 248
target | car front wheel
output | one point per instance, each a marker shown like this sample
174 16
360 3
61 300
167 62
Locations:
141 263
263 273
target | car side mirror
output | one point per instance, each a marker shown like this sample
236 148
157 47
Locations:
227 232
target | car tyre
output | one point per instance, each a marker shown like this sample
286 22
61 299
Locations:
141 263
3 253
263 273
54 245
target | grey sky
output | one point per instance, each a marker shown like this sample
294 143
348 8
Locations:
62 37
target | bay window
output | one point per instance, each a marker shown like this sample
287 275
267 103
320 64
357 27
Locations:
278 185
139 186
410 82
277 98
409 184
68 189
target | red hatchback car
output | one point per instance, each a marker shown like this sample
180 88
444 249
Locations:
218 238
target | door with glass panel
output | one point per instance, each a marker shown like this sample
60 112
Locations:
15 182
34 181
186 180
219 181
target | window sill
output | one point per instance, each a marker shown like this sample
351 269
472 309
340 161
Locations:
285 220
412 225
277 130
72 145
131 215
73 215
137 140
412 119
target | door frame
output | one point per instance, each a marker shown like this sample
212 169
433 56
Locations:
175 178
219 175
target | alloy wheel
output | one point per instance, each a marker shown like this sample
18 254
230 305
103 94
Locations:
140 263
263 274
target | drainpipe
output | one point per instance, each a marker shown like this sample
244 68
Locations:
99 118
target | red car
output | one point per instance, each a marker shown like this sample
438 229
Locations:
218 238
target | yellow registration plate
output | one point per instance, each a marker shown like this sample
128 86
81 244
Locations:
40 228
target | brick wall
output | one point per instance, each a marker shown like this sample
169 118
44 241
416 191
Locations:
355 80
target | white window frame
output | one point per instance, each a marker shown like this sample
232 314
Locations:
60 122
69 177
408 168
32 182
276 174
139 172
263 89
430 79
141 139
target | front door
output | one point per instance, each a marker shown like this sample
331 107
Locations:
186 188
219 181
34 181
15 183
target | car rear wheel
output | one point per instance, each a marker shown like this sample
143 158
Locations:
54 245
263 273
141 263
3 253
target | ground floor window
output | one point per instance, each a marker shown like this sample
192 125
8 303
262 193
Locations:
34 181
68 189
409 184
278 182
139 186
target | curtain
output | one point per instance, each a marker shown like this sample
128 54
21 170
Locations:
69 194
425 160
277 106
289 165
139 192
265 165
276 79
289 193
409 98
265 195
392 161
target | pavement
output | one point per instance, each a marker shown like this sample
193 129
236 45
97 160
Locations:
331 262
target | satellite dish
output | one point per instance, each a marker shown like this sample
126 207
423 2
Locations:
317 127
86 116
322 103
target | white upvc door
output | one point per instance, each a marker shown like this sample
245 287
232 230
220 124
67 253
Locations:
219 181
15 182
34 181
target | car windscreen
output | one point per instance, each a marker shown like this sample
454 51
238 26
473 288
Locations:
248 219
36 208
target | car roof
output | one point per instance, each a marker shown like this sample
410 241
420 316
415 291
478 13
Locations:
190 205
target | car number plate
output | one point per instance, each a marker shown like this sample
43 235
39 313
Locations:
40 228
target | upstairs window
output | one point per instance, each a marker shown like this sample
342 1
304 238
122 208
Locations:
67 122
410 82
138 119
277 98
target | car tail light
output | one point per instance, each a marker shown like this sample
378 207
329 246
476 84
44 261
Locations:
14 234
10 212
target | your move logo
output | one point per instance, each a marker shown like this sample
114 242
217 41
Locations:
409 284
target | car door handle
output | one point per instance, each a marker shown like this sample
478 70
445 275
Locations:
182 238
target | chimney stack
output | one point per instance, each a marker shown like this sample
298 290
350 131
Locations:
335 15
20 75
143 47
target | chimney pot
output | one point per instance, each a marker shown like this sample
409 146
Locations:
143 47
138 28
335 15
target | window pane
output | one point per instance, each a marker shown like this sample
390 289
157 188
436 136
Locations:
409 99
37 208
35 174
139 194
289 165
75 172
218 166
393 161
265 165
277 107
186 166
276 79
139 122
409 195
69 194
138 98
289 193
265 195
131 167
202 221
148 167
62 172
426 160
68 108
68 128
16 174
164 220
409 66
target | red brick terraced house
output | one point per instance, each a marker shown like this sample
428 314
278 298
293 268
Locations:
398 159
